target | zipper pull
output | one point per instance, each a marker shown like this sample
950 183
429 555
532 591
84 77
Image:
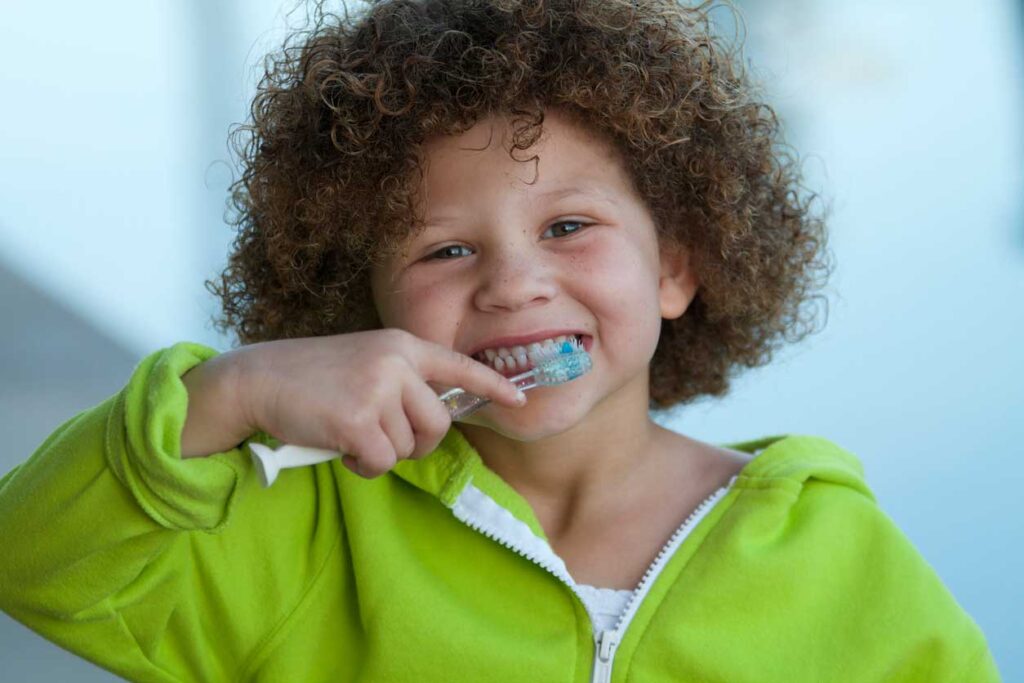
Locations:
606 644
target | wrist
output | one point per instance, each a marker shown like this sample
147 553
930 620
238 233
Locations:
215 421
242 385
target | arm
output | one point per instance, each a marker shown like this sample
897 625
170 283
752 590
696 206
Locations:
215 421
894 618
982 667
120 551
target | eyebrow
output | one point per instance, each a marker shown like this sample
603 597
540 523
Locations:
584 190
551 195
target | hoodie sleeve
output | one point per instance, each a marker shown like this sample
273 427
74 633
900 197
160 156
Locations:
808 560
151 566
938 630
894 611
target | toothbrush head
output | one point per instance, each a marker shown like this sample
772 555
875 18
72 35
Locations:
567 364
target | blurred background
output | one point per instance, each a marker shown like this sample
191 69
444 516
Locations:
910 120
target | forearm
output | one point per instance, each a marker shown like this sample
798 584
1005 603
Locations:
215 421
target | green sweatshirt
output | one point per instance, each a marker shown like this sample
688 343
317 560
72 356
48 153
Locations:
162 569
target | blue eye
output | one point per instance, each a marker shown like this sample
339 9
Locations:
579 226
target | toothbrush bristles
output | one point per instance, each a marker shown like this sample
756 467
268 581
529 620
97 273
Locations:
562 368
554 350
558 363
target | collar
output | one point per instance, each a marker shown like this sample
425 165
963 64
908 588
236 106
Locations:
450 467
788 460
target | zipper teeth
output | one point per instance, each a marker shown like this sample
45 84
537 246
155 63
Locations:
649 575
493 535
655 567
548 567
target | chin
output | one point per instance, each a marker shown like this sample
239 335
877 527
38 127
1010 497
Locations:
537 420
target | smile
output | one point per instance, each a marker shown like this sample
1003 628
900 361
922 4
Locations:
516 359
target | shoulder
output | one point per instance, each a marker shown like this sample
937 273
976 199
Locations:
710 465
785 458
794 461
804 524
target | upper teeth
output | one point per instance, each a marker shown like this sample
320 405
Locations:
521 357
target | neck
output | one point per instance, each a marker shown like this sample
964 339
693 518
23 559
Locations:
590 469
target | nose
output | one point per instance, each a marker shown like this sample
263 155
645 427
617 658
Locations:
511 281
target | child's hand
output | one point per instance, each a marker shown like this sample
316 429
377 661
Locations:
364 394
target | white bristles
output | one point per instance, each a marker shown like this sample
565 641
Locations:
552 349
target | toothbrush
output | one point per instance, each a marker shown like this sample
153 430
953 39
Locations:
564 363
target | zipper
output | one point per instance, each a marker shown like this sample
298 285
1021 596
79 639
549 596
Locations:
606 642
483 514
604 651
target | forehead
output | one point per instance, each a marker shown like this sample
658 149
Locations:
566 159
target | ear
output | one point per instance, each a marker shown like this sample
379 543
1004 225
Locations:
677 284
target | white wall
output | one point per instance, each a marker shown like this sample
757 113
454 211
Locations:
113 131
96 191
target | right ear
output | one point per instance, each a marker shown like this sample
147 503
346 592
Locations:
677 283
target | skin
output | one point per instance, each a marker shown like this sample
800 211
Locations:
607 484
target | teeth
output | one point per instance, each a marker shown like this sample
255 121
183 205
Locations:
521 357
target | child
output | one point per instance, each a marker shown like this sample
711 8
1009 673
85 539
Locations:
428 186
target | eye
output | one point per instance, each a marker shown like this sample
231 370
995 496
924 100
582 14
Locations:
557 231
449 252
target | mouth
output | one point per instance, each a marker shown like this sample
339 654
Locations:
515 359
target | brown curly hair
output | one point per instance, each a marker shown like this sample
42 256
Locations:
331 163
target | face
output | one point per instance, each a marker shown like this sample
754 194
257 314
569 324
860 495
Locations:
515 252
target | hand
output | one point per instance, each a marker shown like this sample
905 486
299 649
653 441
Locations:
364 393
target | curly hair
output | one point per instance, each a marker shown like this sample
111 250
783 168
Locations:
331 161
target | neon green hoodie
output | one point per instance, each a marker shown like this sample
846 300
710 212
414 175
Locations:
162 569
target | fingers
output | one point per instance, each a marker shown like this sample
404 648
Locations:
371 453
395 425
427 415
459 370
409 429
398 415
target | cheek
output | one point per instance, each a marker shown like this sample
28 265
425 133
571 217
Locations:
618 277
619 284
427 309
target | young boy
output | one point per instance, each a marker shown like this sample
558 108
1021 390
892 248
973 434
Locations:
428 190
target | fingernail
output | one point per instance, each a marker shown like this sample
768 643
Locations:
520 397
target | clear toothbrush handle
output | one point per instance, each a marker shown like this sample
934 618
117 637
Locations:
461 403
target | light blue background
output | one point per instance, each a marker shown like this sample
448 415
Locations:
910 118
